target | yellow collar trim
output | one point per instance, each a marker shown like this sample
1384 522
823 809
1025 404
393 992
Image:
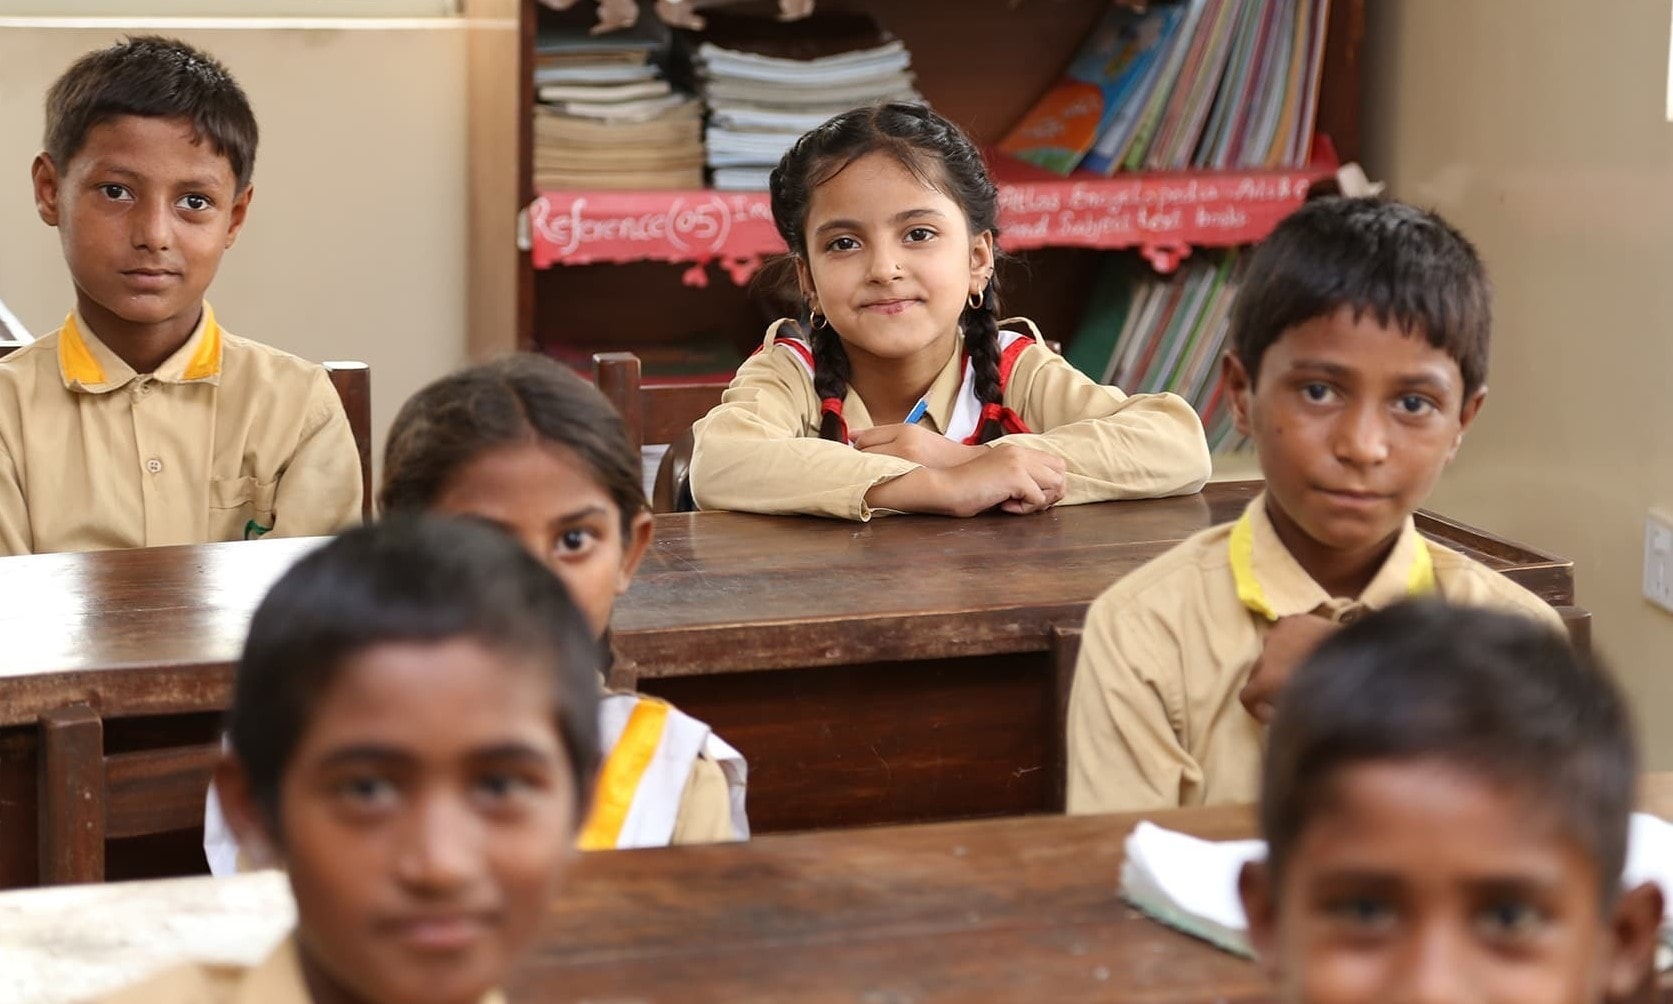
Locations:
619 779
75 359
1420 579
81 367
206 358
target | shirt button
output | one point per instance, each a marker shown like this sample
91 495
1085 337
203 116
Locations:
1350 615
154 465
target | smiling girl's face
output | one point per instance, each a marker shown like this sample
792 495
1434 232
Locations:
891 261
548 498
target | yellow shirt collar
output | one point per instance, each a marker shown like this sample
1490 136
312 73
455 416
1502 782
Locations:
278 980
87 364
1272 584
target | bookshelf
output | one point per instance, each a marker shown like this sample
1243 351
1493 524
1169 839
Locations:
982 63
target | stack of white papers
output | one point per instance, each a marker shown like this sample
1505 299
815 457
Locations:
763 95
1190 884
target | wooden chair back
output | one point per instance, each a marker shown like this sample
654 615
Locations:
1578 620
88 796
353 381
657 413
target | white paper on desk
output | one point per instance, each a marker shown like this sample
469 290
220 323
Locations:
1191 884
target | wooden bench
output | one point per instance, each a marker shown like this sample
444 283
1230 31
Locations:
90 795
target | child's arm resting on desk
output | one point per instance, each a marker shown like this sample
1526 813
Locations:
1125 712
1115 446
319 490
752 452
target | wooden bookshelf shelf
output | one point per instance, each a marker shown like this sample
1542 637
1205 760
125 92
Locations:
1164 215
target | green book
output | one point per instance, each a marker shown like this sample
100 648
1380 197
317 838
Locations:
1106 315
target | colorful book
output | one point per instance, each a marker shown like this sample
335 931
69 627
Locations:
1150 119
1193 97
1059 131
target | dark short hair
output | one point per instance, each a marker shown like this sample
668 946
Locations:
413 579
519 399
153 77
1404 266
1497 695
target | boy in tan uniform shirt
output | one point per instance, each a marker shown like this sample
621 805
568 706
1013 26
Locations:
141 422
414 739
1359 358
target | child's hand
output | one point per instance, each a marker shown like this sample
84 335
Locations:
1011 478
917 444
1288 644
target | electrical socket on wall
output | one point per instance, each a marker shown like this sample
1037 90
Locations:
1658 559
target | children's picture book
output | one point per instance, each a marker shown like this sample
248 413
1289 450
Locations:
1189 84
1061 128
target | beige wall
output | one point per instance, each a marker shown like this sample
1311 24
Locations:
355 247
1538 127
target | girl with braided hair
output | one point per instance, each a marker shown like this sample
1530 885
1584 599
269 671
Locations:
899 389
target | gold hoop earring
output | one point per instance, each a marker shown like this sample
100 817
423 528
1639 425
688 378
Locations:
977 299
818 321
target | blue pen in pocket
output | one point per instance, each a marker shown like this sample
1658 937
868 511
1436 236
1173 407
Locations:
917 411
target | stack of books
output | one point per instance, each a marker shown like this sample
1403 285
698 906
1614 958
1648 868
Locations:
606 115
766 83
1147 333
1207 84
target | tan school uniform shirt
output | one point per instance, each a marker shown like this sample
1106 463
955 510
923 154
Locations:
760 451
228 440
1154 716
277 980
705 815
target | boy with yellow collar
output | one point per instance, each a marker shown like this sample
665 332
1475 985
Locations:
1359 359
141 422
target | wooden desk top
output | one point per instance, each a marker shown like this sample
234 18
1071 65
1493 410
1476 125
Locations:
1016 909
1013 909
718 592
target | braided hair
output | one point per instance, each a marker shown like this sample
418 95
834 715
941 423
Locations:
939 154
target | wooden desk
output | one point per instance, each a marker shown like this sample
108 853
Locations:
1015 909
910 677
1022 909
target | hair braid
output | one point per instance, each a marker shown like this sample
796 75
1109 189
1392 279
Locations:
981 344
830 377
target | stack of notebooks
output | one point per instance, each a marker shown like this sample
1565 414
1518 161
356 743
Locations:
606 116
1205 84
766 83
1147 333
